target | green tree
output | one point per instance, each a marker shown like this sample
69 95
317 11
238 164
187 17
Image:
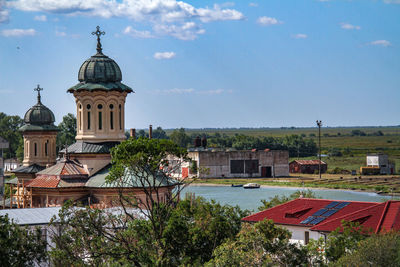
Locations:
67 133
193 230
180 138
159 133
344 240
261 244
20 246
277 200
9 130
377 250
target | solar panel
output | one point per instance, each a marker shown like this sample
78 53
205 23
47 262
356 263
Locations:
342 205
329 213
317 220
331 205
319 212
308 220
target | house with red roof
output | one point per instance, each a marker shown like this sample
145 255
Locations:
307 166
314 218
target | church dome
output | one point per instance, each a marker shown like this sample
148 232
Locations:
99 68
39 114
39 117
99 72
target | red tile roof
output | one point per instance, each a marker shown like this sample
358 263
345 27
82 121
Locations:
308 162
379 217
44 181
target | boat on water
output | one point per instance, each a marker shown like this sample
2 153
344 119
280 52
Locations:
251 186
237 185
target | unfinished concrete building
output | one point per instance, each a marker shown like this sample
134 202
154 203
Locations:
212 163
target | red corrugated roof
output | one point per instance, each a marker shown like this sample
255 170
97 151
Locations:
379 217
308 162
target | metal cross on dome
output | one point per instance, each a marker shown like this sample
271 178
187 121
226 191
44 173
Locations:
38 89
98 33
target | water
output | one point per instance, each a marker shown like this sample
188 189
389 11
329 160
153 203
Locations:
251 198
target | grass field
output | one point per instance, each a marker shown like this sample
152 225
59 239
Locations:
354 148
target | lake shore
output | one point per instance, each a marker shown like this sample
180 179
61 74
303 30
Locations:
297 185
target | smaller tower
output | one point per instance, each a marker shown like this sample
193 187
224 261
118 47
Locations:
39 134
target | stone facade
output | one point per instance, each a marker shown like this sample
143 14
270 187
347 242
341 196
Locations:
39 147
100 115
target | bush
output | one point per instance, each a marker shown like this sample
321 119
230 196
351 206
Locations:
339 170
335 152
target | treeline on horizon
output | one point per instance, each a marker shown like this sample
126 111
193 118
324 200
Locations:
297 145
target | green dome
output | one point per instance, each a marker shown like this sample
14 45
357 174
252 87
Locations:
99 72
99 68
39 118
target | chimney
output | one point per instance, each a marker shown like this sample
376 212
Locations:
150 131
133 133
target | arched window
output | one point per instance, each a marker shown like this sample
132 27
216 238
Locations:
45 147
99 107
111 117
80 117
120 117
88 116
35 149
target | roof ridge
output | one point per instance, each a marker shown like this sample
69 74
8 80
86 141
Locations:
385 209
346 215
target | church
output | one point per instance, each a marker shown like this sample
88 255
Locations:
80 173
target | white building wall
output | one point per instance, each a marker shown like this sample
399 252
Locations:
298 233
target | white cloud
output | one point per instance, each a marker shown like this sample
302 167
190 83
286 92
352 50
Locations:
18 32
186 31
384 43
3 12
40 18
167 16
253 4
61 34
348 26
391 1
193 91
176 91
137 34
164 55
267 21
214 92
300 36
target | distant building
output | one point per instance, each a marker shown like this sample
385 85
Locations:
308 218
11 164
379 164
307 166
213 163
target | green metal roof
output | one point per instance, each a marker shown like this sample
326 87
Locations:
130 180
34 168
32 127
81 147
102 86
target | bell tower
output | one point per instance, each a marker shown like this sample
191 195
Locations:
39 134
100 98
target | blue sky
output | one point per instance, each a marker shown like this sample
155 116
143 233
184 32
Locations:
212 63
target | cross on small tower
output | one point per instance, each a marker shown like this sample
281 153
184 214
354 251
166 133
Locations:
98 33
38 89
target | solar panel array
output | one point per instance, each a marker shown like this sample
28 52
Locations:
324 213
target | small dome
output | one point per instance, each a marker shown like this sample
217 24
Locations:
99 68
39 114
39 117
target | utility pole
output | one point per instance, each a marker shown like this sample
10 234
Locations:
319 124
